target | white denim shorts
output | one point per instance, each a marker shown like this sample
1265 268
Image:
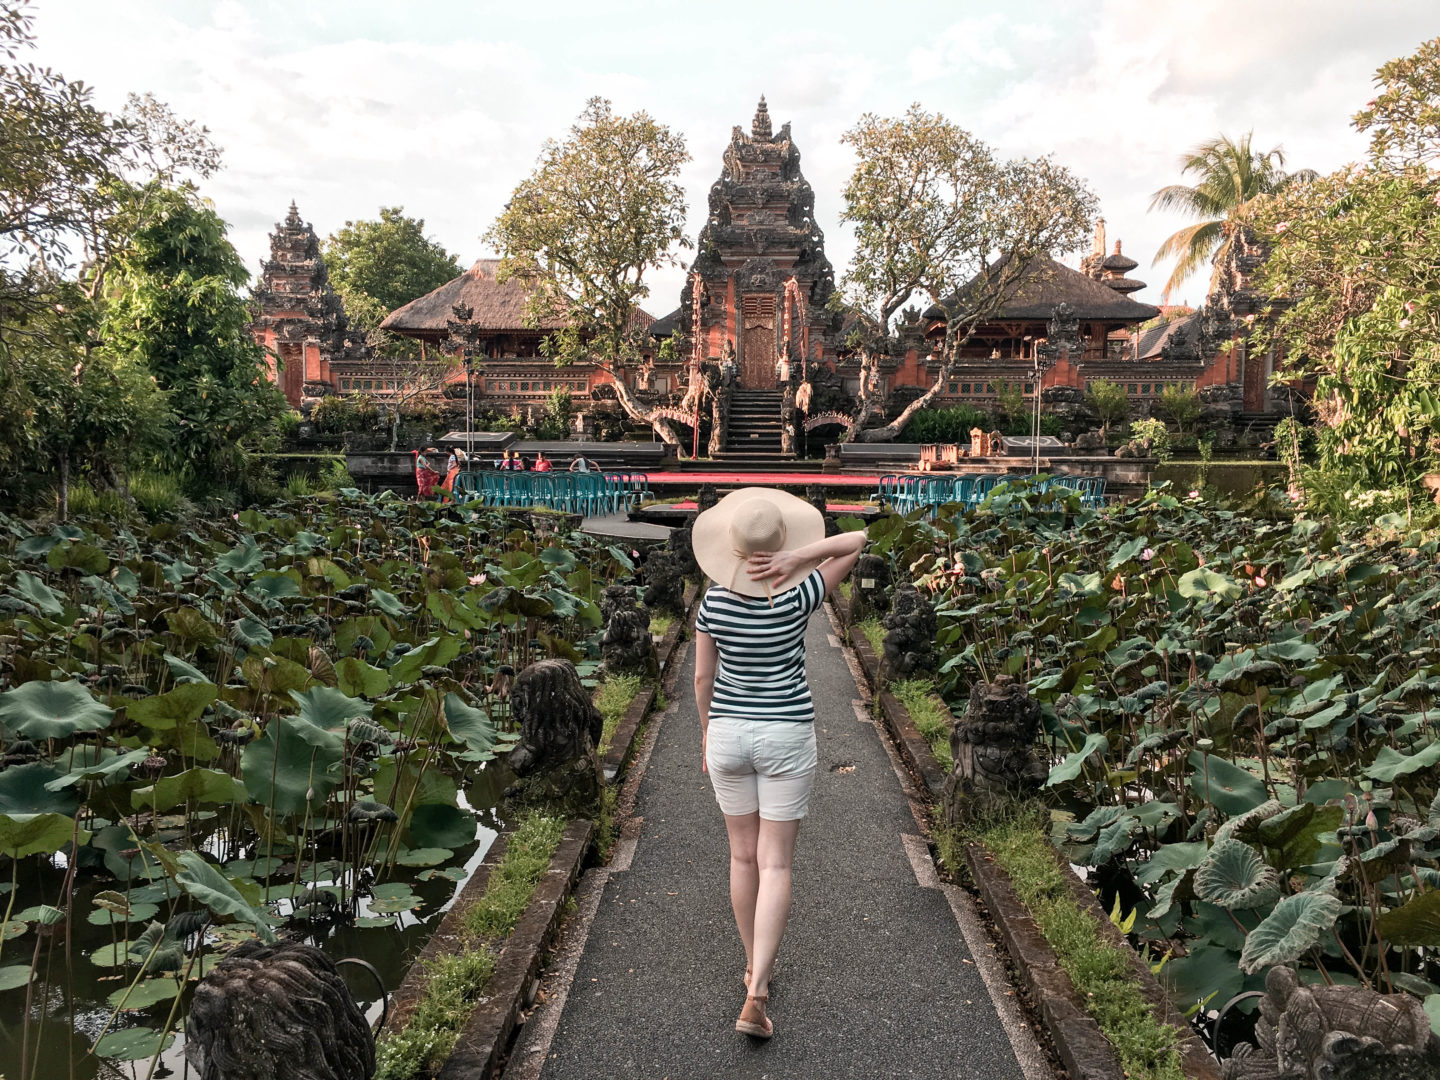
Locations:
764 765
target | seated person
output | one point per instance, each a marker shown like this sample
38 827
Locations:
582 464
542 463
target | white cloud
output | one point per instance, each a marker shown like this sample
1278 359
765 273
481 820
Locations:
442 106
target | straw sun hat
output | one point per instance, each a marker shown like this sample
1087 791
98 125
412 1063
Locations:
749 520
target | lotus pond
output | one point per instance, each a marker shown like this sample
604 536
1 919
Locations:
280 722
1238 710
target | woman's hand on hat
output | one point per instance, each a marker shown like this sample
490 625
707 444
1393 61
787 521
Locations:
772 565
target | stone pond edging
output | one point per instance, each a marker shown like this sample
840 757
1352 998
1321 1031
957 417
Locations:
1078 1040
484 1040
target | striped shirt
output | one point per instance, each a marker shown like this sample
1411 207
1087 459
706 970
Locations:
761 674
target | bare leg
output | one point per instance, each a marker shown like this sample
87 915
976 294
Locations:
744 876
774 851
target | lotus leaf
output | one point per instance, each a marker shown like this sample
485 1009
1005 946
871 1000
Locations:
14 976
34 591
270 588
192 787
437 825
387 603
33 547
36 789
425 856
182 705
355 678
145 993
251 634
284 771
52 710
1203 584
1208 973
1296 926
1227 787
204 883
37 834
374 922
78 556
437 652
1234 876
136 912
133 1044
1071 767
326 713
405 783
182 671
1390 763
177 571
469 725
103 765
246 558
188 624
1416 923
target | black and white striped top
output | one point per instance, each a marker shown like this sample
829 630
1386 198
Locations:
761 674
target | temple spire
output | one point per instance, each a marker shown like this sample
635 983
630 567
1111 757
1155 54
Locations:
292 219
1100 238
760 126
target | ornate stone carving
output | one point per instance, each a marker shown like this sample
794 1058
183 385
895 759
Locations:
664 577
281 1012
1336 1033
560 729
708 498
993 746
626 644
910 639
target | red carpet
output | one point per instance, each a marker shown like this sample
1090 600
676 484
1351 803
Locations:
761 479
833 507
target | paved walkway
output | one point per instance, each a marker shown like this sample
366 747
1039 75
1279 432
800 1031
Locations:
884 972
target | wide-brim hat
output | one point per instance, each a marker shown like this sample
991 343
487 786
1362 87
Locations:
749 520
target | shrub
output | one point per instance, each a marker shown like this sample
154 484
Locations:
85 501
335 415
950 425
299 484
1109 401
335 477
1157 433
1181 404
156 494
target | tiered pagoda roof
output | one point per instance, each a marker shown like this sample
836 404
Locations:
293 295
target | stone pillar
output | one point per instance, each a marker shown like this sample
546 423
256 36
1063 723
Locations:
626 645
869 587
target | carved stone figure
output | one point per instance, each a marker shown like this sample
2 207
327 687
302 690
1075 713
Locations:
1336 1033
664 578
277 1012
626 644
910 634
560 729
993 746
708 498
869 587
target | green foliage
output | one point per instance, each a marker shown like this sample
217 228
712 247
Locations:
601 210
1182 405
527 855
177 308
1014 412
927 710
932 207
156 494
455 982
612 698
1240 708
1156 433
1232 178
378 266
336 414
1146 1046
950 425
1109 401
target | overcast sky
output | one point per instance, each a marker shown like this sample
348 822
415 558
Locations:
441 106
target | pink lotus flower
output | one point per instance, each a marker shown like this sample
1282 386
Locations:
1404 324
1282 226
1409 307
1194 494
1147 554
1260 580
477 579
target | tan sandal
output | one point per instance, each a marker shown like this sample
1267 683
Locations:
753 1020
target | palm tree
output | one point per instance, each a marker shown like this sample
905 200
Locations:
1232 177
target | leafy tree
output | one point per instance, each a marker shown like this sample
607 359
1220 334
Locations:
378 266
65 200
602 209
937 215
1354 266
1109 401
1231 177
1182 405
1012 409
176 306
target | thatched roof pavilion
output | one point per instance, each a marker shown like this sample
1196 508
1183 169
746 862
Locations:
496 307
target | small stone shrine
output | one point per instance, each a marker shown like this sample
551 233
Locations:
993 747
910 628
560 727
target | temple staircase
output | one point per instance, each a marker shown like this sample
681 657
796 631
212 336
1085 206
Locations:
754 428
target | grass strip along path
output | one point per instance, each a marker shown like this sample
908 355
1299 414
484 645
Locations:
874 977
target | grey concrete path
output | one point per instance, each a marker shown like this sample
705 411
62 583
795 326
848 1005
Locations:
620 527
875 977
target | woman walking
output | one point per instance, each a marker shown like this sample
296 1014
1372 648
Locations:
771 564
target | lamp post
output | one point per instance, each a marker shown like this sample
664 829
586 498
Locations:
469 410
